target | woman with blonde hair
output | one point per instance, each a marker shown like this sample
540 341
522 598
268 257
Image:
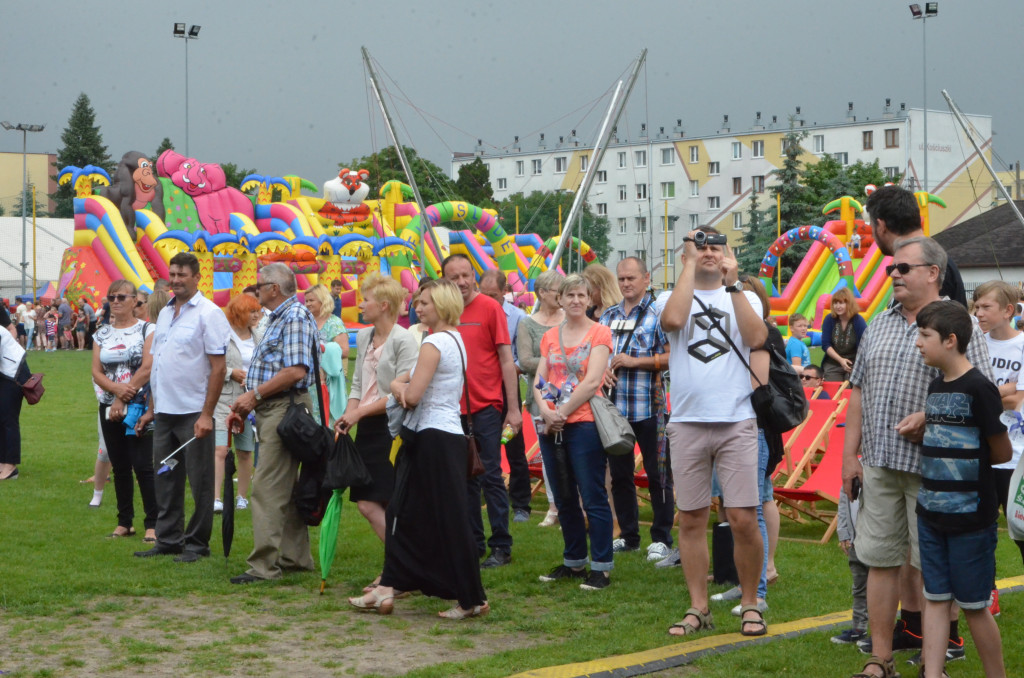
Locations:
332 331
841 331
604 290
429 514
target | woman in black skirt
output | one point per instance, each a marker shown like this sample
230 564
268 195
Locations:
385 350
429 546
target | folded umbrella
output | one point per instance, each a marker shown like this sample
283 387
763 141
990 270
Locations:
329 536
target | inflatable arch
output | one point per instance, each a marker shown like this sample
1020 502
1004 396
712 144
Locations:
809 233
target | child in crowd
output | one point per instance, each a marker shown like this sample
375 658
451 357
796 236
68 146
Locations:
845 530
995 304
957 507
797 352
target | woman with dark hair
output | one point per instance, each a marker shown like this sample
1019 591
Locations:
841 331
121 364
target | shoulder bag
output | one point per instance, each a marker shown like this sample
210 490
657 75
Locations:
616 434
474 466
781 403
308 440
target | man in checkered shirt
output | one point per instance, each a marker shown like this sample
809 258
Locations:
885 423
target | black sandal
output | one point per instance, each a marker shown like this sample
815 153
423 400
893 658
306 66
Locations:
762 626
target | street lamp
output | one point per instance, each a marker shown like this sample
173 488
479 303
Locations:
24 129
193 34
931 9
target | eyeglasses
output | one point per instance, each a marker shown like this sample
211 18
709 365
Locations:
139 303
119 297
903 268
259 285
808 377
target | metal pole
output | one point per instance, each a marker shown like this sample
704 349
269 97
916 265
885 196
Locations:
24 205
999 184
34 283
924 79
186 98
665 255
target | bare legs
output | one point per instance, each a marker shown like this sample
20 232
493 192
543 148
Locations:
374 514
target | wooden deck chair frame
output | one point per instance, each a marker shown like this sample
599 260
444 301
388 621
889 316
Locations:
805 501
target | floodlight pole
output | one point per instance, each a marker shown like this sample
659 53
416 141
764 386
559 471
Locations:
24 128
923 13
193 34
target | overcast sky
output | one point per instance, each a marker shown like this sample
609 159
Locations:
280 86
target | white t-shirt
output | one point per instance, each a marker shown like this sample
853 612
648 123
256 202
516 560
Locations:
1007 361
439 406
120 354
246 347
19 313
709 382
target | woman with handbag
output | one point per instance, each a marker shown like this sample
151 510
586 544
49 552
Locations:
121 364
574 357
383 351
429 545
13 373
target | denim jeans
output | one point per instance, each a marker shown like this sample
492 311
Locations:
624 487
586 468
487 431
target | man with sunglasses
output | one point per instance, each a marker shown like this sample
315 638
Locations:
885 424
189 344
812 376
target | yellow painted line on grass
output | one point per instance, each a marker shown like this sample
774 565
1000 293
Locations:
678 654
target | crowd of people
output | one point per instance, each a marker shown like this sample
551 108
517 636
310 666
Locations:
435 387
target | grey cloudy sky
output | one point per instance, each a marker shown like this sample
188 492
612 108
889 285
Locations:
280 86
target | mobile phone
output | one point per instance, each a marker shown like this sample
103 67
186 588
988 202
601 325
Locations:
855 489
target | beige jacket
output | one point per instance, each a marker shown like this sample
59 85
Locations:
400 354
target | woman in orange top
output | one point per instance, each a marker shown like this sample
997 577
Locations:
574 356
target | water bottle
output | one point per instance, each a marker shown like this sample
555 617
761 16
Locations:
507 434
550 391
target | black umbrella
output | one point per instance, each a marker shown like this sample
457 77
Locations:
564 478
227 518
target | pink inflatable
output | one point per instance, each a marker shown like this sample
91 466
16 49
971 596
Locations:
207 186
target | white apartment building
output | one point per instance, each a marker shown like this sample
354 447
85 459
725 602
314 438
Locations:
709 179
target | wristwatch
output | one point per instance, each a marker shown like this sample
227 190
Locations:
256 394
735 287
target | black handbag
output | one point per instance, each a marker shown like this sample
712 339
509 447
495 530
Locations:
781 404
307 439
345 467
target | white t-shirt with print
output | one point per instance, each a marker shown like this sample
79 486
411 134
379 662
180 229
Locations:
120 354
1007 361
709 381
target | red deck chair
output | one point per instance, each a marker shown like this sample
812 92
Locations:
833 388
797 441
823 486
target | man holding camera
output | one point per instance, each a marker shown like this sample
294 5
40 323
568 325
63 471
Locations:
713 424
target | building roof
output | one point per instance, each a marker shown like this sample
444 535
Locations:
982 241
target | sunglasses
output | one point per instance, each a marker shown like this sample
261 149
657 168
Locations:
139 303
119 297
903 268
807 377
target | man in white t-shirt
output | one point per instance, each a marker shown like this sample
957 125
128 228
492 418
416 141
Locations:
19 320
713 424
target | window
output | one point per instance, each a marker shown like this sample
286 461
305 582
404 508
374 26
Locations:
584 162
783 145
892 172
641 191
641 158
622 159
602 209
892 138
843 158
694 222
737 221
671 227
819 143
641 224
668 156
622 192
502 184
561 163
602 176
622 254
757 183
519 168
713 169
641 255
758 150
622 225
737 150
668 189
666 256
714 203
536 166
868 140
737 185
694 189
694 154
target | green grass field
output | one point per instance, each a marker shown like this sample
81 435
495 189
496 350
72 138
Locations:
75 603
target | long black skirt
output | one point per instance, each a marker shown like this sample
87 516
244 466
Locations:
429 546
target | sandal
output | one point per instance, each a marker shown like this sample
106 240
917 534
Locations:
887 665
458 613
118 535
762 626
705 622
380 605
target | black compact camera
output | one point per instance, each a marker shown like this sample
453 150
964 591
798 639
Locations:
702 239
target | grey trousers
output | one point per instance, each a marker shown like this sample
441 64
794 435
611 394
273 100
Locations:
280 538
194 462
859 572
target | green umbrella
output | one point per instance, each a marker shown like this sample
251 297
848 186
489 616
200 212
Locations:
329 536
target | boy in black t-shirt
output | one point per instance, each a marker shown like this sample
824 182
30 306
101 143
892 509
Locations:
956 506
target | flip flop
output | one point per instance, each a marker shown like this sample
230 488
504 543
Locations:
115 535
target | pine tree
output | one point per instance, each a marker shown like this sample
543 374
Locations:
758 237
83 145
791 196
40 203
165 145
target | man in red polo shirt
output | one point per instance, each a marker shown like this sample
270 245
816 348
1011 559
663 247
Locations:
490 368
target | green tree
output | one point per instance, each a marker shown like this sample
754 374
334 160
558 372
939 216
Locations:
39 201
792 197
538 213
474 184
757 238
830 179
165 145
83 145
384 166
234 174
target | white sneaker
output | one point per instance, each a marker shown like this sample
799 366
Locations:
762 606
242 503
732 594
550 519
218 506
657 551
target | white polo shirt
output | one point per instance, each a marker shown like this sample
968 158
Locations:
181 370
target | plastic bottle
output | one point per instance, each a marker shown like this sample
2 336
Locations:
507 434
550 391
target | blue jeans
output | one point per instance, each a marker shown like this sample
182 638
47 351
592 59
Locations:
957 566
487 431
586 469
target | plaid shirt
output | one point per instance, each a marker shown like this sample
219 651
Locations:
894 383
635 388
288 341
